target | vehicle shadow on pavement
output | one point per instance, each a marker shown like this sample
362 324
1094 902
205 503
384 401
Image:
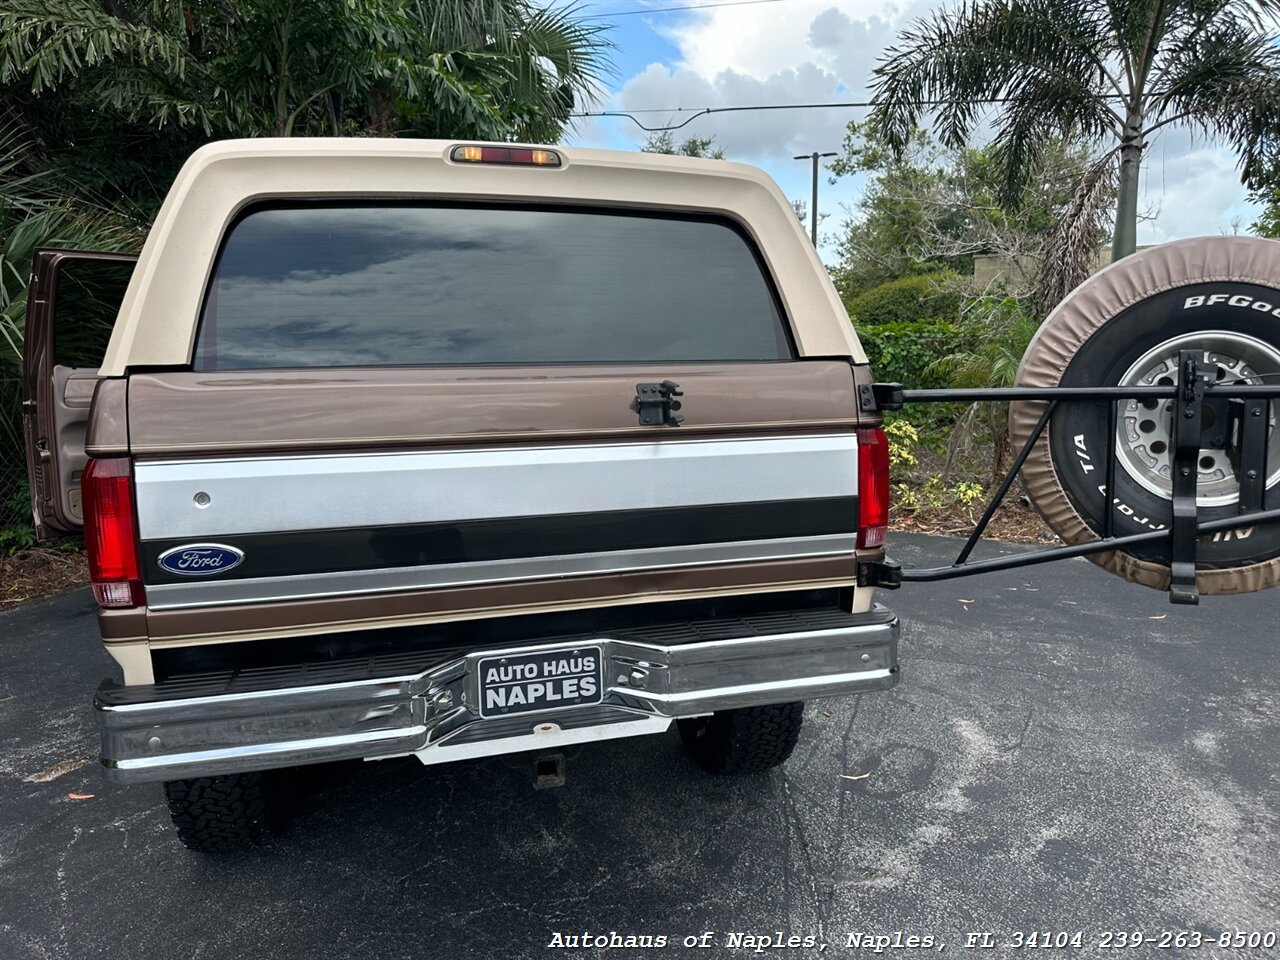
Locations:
639 841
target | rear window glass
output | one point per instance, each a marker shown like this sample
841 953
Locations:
403 285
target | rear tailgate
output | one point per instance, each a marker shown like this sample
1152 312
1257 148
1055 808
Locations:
415 495
381 426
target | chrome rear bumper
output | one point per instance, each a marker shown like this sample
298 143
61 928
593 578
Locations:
168 732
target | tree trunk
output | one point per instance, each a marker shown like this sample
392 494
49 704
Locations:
282 107
1125 239
331 110
282 81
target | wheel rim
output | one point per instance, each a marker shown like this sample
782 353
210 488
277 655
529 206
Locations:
1144 438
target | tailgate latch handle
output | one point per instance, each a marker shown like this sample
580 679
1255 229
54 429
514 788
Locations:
656 403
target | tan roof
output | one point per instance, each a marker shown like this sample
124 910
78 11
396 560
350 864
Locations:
157 320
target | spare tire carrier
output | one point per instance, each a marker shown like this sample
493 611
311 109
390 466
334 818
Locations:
1147 424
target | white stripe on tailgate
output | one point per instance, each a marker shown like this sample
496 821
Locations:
265 495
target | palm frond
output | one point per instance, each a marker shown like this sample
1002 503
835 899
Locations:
1029 53
1073 247
47 41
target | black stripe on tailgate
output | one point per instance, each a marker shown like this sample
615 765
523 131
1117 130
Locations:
372 548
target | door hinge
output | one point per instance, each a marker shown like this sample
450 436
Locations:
656 403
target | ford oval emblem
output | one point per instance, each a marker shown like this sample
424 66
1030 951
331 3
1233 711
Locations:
201 559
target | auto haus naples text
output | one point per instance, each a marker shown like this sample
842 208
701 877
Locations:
571 677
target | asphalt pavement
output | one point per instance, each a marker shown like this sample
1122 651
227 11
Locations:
1066 754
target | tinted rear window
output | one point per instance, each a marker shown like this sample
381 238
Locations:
381 285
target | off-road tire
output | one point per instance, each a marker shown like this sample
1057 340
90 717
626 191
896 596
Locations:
1213 287
216 814
746 740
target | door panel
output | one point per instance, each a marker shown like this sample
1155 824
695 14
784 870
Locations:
71 305
72 396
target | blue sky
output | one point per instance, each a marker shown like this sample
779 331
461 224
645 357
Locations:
788 51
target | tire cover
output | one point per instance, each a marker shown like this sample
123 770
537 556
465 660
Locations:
1086 309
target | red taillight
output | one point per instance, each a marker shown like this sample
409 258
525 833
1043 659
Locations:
110 533
873 487
526 156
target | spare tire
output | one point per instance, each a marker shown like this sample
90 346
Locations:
1125 326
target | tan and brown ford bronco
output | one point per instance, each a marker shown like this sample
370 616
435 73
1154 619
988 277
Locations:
452 450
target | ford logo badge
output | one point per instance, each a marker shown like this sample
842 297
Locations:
201 559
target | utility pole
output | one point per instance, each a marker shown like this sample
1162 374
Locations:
813 208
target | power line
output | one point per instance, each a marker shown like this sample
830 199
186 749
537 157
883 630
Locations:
704 111
695 113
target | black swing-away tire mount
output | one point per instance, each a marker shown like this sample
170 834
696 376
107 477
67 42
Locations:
230 812
746 740
1219 295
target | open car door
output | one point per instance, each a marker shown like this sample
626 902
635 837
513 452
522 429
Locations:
71 308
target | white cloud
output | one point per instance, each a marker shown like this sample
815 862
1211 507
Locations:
793 53
1193 189
755 135
773 38
816 52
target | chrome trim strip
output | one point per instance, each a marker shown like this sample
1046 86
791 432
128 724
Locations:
370 690
319 746
785 689
276 494
445 751
213 592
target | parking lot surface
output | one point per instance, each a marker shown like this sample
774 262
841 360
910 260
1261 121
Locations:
1066 752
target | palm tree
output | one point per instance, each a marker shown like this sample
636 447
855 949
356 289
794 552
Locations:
102 100
118 92
1113 71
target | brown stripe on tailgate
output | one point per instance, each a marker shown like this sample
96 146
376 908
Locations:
301 617
268 410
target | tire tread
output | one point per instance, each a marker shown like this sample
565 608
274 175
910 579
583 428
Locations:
746 740
215 814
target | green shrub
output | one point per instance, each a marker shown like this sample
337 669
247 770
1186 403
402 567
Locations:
934 496
907 299
18 536
903 440
908 353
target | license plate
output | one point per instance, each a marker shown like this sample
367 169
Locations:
548 680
